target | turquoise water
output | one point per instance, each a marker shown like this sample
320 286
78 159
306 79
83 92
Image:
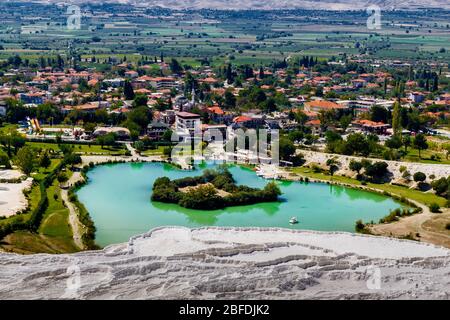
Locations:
118 200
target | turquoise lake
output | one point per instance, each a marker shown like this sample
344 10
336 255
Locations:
118 200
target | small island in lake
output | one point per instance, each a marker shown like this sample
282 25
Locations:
215 189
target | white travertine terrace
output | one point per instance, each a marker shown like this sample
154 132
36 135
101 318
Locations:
234 263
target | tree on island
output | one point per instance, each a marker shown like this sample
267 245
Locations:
203 191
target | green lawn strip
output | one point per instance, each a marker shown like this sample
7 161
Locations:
55 222
413 156
81 148
416 195
153 152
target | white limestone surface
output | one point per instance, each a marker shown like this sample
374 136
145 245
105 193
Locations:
235 263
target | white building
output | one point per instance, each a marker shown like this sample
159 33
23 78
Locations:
187 124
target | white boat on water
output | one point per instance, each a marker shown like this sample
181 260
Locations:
293 220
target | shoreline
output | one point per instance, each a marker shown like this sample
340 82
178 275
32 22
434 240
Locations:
405 226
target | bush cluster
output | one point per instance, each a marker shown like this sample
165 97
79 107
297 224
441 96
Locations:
204 195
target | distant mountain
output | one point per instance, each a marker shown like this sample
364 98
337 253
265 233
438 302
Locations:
275 4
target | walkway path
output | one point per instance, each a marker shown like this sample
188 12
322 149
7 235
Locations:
133 151
77 227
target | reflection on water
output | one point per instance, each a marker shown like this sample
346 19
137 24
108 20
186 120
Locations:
118 199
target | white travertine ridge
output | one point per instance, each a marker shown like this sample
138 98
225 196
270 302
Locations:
234 263
273 4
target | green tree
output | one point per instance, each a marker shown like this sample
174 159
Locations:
175 66
4 160
394 142
44 160
420 143
230 99
301 118
377 170
107 140
25 160
407 142
140 117
12 141
357 144
355 166
396 119
286 149
333 166
419 177
128 91
140 100
139 146
167 136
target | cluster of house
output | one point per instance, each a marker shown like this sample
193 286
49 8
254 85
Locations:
67 90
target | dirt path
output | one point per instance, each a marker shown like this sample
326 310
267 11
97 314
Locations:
426 227
77 227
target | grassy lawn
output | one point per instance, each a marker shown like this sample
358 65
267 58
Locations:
83 149
413 156
25 242
424 198
153 152
54 234
55 222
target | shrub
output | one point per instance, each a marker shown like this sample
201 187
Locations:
359 226
406 175
441 186
435 208
420 177
315 168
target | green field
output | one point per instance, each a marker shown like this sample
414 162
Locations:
250 38
83 149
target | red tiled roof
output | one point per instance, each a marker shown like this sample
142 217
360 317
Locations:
242 119
216 110
324 104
